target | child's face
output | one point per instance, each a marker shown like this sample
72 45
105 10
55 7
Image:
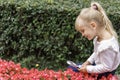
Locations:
86 31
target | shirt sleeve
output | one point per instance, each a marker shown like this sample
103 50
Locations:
91 58
107 58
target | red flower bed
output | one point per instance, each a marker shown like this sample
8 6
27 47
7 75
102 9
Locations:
11 71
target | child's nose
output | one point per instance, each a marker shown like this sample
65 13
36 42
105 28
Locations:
83 34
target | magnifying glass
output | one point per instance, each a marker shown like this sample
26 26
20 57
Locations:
71 63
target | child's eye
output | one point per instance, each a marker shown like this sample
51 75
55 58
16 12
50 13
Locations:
82 31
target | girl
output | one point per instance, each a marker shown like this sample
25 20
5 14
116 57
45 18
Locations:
93 23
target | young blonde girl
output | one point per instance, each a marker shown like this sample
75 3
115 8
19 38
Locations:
93 23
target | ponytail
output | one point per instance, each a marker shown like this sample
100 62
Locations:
107 23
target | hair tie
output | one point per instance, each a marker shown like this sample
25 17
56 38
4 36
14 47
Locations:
95 7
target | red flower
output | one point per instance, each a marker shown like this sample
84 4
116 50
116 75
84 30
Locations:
11 71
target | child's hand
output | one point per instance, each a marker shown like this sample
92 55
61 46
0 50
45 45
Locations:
86 63
83 69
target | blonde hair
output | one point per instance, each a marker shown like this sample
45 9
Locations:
96 13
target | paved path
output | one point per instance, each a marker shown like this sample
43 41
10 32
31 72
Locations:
118 77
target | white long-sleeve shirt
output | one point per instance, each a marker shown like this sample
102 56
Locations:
106 56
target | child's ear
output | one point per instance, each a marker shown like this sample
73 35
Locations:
93 25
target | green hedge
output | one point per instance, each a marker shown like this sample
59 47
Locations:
42 31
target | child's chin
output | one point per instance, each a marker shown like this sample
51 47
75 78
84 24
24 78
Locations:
89 38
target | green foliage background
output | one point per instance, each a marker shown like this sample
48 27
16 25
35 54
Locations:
42 31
